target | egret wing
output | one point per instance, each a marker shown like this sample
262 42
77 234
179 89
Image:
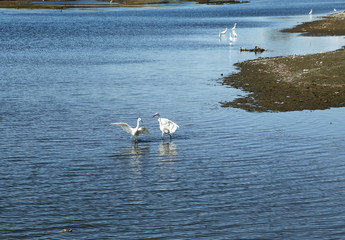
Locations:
143 130
172 126
169 125
124 126
164 121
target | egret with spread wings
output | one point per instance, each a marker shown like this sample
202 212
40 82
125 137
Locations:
135 132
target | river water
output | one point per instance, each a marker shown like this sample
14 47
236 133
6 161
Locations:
225 174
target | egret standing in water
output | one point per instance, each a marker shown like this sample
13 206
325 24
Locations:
311 12
166 126
230 38
223 32
234 33
135 132
233 28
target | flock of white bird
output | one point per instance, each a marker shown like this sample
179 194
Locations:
231 36
166 126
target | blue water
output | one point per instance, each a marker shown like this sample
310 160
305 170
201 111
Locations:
226 173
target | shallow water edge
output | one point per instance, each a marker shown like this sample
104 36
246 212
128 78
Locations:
294 83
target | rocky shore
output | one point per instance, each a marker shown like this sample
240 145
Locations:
292 83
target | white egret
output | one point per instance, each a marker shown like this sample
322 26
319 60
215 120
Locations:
233 30
234 33
334 10
166 126
311 12
135 132
223 32
230 38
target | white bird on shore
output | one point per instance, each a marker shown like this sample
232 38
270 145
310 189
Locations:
135 132
334 10
311 12
166 126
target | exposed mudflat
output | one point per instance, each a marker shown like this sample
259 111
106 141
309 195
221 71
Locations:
307 82
53 4
331 25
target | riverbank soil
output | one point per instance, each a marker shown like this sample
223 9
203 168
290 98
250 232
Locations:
51 4
293 83
308 82
331 25
28 4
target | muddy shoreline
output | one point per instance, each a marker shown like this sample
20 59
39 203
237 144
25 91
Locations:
331 25
294 83
47 4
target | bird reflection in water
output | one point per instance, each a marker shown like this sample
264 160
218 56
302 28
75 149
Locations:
168 156
135 153
168 151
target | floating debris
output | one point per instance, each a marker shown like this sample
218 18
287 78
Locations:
256 49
